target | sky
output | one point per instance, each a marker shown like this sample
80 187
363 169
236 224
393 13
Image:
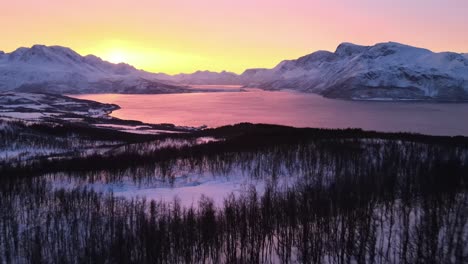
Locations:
175 36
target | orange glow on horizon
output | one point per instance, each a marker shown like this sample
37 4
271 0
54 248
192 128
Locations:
185 36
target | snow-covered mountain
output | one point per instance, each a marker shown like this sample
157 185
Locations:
203 77
56 69
383 71
255 77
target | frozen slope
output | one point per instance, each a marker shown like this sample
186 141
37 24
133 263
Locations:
383 71
61 70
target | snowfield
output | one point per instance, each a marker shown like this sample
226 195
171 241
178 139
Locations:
51 108
36 107
188 187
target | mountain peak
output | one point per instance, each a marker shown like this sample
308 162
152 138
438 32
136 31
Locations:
202 71
379 49
349 49
321 55
45 54
208 72
60 69
38 47
403 50
384 70
396 45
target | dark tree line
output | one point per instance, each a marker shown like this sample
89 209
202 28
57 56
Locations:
341 223
358 197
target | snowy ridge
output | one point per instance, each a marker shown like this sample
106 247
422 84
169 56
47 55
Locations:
203 78
61 70
386 70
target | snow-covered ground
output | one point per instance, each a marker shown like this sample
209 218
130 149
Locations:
51 108
187 186
37 107
152 146
138 129
21 145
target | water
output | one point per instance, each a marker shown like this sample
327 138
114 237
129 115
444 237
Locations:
288 108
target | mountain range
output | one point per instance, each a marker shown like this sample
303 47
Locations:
382 71
61 70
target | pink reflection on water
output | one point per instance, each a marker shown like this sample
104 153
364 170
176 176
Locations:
288 108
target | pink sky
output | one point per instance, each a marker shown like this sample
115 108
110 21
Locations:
186 35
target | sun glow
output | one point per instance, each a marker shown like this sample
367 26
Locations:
118 51
117 56
146 56
185 36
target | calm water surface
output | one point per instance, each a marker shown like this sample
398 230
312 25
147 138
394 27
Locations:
288 108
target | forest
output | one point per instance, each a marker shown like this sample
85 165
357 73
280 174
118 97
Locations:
355 197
